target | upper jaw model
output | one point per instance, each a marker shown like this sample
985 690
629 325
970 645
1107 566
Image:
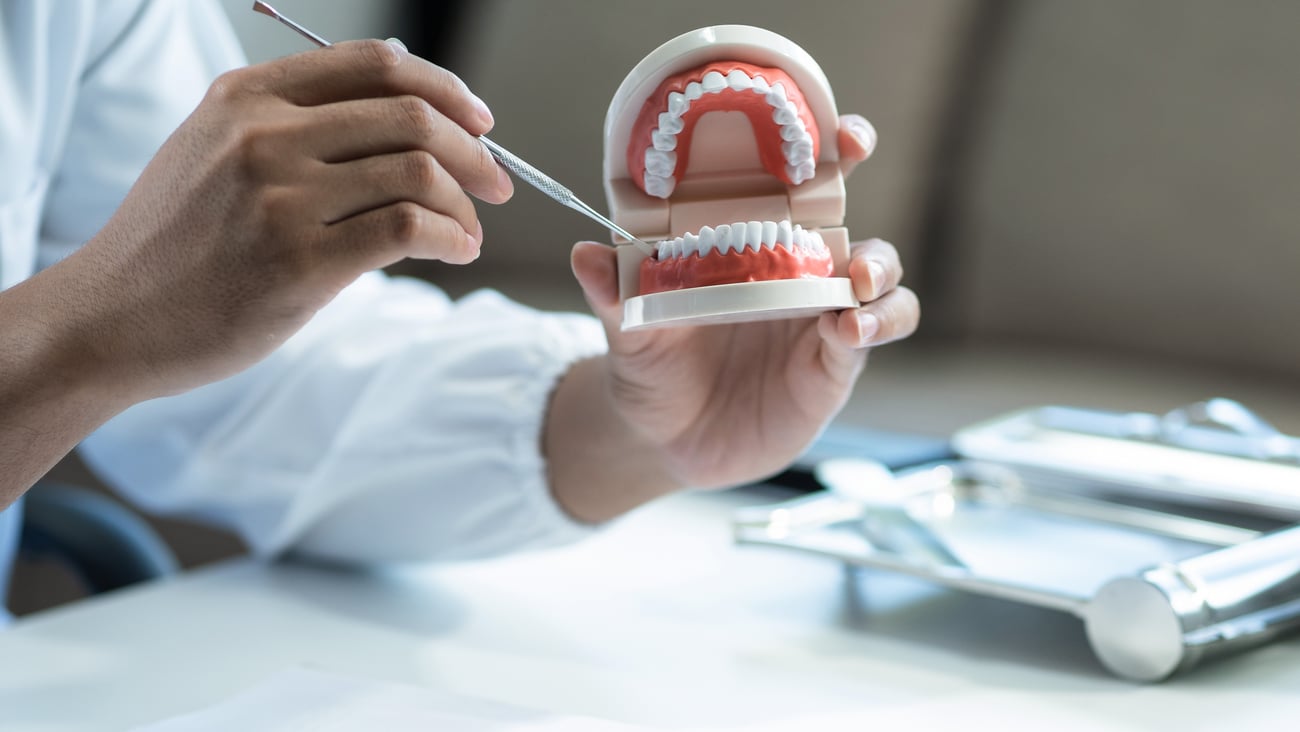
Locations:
721 146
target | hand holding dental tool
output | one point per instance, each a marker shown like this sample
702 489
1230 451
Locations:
507 159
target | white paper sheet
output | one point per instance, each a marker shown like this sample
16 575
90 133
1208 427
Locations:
303 700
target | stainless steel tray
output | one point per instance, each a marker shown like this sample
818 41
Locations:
1160 585
1215 455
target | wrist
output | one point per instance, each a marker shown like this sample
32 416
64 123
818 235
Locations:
58 345
52 391
598 463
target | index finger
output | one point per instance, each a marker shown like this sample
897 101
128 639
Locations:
857 140
365 69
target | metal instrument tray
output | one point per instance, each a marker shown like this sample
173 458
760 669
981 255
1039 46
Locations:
1160 578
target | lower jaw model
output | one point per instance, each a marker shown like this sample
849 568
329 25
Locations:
721 145
753 251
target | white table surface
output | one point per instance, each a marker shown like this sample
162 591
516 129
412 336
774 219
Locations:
659 621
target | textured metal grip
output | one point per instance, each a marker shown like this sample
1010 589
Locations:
529 174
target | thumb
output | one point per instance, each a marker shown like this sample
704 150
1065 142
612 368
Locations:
596 267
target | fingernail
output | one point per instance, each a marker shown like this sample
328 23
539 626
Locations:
877 272
473 244
868 326
864 132
478 233
481 107
504 184
396 42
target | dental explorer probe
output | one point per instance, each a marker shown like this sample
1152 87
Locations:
507 159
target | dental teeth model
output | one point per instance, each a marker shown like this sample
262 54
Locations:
721 145
739 237
744 88
760 251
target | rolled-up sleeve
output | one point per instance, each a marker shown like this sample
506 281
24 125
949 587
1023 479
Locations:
399 425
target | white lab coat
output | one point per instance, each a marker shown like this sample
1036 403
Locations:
398 425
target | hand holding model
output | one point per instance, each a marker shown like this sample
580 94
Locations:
721 405
726 384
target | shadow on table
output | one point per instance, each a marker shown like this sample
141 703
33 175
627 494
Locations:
375 597
973 626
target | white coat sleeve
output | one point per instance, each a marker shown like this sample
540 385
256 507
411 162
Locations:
396 426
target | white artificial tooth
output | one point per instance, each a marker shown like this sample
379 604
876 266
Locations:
807 170
659 186
798 237
738 231
792 132
667 143
761 86
769 234
694 91
670 123
678 104
722 239
795 151
713 82
708 239
690 245
784 234
754 235
776 97
658 162
785 114
739 81
815 241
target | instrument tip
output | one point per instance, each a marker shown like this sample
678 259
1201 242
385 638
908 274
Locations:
265 9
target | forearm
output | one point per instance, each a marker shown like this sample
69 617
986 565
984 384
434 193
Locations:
51 395
598 465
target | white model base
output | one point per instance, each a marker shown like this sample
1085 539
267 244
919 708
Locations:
738 303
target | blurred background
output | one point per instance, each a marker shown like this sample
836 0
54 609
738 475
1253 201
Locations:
1098 203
